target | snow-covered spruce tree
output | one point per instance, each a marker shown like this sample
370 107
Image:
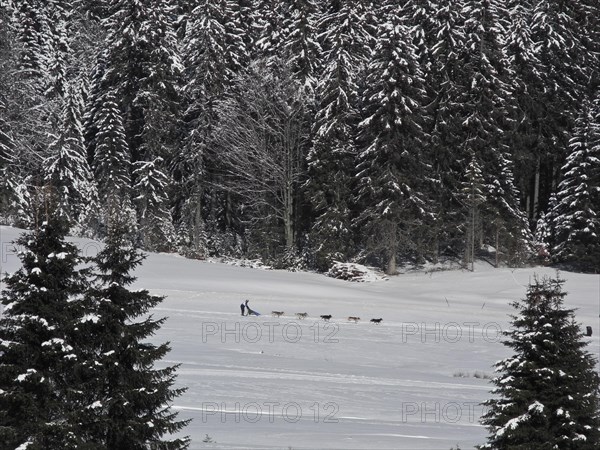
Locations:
155 222
141 67
547 393
32 36
214 54
556 74
67 170
112 165
576 215
43 302
487 100
245 15
299 45
270 17
125 400
331 159
545 236
59 48
391 164
523 59
440 24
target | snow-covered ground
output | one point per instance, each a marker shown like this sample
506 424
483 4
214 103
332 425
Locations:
414 382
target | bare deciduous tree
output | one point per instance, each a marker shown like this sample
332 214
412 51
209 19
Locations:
260 142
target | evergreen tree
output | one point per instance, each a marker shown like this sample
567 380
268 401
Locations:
32 36
523 58
112 163
331 159
215 53
67 170
576 215
442 24
391 167
59 48
547 393
299 44
126 399
486 98
270 17
43 303
555 72
141 68
245 16
156 224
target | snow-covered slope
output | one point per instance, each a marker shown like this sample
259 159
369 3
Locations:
413 382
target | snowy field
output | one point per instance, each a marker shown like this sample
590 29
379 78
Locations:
414 382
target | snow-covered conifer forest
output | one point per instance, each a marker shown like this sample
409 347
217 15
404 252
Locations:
353 138
305 132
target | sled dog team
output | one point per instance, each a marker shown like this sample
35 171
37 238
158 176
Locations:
247 311
326 317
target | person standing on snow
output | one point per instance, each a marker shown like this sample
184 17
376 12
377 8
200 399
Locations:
243 308
250 311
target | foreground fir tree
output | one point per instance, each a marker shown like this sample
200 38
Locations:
547 393
43 302
127 399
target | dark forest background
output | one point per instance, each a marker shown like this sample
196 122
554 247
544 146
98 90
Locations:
305 132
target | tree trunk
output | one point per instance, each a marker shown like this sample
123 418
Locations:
536 190
288 215
497 246
391 265
197 225
473 240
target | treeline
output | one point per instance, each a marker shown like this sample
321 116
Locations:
304 132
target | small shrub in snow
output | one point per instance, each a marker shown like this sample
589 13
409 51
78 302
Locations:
482 375
251 263
461 374
353 272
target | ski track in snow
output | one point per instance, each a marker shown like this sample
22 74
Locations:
405 384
